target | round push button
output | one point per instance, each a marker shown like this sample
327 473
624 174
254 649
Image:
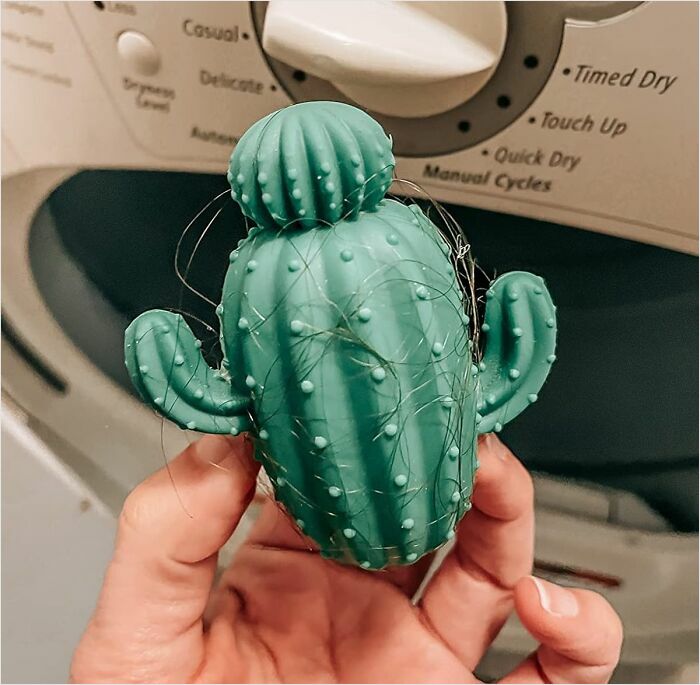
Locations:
138 52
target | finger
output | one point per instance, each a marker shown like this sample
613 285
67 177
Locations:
471 595
156 587
580 632
275 529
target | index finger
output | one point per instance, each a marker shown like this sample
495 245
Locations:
172 526
471 595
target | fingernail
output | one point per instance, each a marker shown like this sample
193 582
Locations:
495 446
554 599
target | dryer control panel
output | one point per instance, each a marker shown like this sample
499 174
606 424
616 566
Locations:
579 113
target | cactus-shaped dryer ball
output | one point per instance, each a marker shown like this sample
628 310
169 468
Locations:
346 344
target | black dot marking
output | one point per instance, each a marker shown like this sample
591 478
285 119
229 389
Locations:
531 62
273 87
245 36
566 71
503 101
531 120
464 126
299 75
485 153
99 5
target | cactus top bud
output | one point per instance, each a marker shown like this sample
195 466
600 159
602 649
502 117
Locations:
312 164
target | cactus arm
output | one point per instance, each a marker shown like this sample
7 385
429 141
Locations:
167 368
520 330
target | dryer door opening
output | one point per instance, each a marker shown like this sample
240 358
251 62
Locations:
620 407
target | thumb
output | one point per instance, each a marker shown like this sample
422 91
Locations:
148 617
580 634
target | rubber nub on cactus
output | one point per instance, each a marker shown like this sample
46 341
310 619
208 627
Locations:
311 164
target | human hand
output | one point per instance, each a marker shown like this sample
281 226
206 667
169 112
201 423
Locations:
282 613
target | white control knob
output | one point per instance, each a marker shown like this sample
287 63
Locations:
406 59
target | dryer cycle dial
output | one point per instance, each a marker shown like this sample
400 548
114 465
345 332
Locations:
391 58
400 59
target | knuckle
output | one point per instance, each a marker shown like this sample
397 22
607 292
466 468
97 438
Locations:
526 485
139 511
520 477
522 490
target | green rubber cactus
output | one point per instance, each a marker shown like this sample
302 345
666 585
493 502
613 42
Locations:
348 345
